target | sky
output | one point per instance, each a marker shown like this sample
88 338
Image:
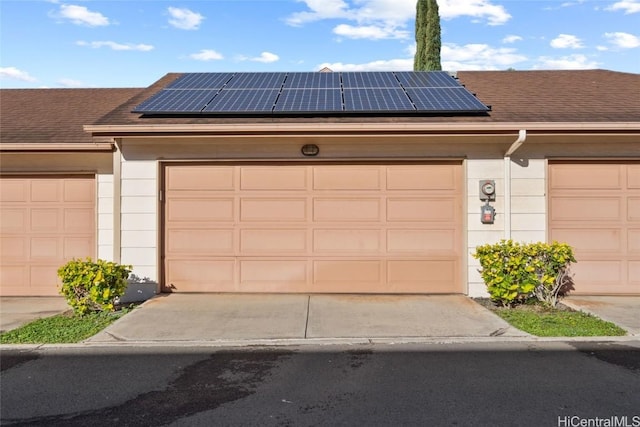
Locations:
120 43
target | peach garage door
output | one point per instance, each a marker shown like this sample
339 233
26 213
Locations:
323 228
595 207
44 221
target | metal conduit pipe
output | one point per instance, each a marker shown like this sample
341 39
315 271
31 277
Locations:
522 136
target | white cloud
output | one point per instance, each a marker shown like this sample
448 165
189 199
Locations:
627 6
265 57
320 9
370 32
15 74
184 19
511 39
378 19
206 55
381 65
80 15
565 41
116 46
623 40
480 9
478 56
64 82
570 62
454 58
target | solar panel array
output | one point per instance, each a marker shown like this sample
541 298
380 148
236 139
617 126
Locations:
426 92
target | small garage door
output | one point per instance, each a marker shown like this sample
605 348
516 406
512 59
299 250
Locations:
44 222
595 207
362 228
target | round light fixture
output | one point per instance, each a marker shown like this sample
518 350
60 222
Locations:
310 150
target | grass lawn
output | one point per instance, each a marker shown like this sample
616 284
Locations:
62 328
557 322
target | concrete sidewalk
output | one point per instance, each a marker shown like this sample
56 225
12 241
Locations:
233 317
624 311
17 311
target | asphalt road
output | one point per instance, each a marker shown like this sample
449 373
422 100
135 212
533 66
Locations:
489 384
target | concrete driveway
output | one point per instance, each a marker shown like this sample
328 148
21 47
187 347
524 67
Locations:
621 310
235 317
17 311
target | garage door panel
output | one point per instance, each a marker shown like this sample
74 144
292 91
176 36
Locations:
200 241
78 220
200 177
264 178
78 191
76 247
46 220
422 241
46 247
347 241
418 275
436 177
422 209
13 220
633 242
14 279
200 210
591 239
587 177
282 209
46 190
14 190
13 247
633 209
341 210
285 271
201 275
316 228
347 271
289 241
633 177
346 178
586 209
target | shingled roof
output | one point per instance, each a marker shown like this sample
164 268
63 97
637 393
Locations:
515 96
55 116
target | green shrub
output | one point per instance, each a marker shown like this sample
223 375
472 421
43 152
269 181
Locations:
514 272
93 286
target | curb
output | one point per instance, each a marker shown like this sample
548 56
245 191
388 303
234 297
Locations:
295 342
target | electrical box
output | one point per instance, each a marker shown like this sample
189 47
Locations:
487 190
487 214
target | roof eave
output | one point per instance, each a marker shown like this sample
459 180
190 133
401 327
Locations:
457 128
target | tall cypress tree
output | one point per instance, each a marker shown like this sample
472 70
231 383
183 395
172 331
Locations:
428 43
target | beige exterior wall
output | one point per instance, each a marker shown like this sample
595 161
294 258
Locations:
139 217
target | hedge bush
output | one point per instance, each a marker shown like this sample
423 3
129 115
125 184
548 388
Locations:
515 272
90 286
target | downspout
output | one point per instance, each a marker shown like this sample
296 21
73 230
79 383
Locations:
522 136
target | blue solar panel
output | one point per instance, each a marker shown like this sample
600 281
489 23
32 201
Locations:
312 81
257 81
366 80
200 81
391 100
445 100
176 101
301 93
243 101
307 100
426 79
